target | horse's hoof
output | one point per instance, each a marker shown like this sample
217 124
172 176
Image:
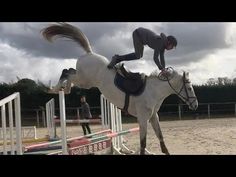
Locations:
164 149
149 153
167 153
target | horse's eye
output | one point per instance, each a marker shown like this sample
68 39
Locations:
189 89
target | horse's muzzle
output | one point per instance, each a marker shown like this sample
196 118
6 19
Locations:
193 105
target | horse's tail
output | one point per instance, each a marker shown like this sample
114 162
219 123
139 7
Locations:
66 30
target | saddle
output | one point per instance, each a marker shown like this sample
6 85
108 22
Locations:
130 83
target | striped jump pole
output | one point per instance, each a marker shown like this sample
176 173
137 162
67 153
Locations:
109 135
47 144
81 150
85 149
80 121
92 148
75 144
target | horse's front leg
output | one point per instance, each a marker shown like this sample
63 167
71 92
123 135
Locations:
156 127
143 135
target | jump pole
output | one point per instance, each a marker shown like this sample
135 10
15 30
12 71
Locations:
46 144
109 135
80 121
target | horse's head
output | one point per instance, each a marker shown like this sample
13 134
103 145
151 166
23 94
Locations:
185 91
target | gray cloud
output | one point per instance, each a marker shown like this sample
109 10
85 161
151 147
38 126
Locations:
197 38
193 38
29 39
198 35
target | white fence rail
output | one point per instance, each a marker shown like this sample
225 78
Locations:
27 132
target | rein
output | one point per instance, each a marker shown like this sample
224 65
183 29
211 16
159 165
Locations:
185 81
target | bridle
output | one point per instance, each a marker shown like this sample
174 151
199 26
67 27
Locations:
185 81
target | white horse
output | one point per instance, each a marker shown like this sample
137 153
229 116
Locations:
91 71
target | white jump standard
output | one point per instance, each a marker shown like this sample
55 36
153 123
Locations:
15 147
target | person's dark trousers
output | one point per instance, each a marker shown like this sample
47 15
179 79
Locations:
138 49
84 127
127 57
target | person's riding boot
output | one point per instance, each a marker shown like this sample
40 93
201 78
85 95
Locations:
114 61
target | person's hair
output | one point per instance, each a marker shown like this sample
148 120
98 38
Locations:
172 40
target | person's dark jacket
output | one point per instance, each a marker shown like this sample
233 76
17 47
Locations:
156 42
85 111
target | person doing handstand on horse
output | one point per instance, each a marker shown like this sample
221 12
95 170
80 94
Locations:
141 37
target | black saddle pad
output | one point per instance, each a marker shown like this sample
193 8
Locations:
130 86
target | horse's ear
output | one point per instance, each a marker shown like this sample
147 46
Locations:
186 75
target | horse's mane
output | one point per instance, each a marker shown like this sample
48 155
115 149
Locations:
156 74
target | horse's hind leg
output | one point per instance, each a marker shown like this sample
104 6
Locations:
61 83
156 127
70 78
72 71
66 73
66 79
63 78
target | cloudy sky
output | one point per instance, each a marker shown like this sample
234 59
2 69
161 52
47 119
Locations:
206 50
